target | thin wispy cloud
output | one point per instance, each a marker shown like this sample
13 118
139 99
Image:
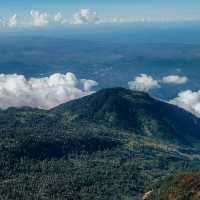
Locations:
175 79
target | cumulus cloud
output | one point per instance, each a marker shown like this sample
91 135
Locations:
8 22
47 92
175 79
39 18
2 22
58 17
12 21
188 100
143 83
117 20
85 16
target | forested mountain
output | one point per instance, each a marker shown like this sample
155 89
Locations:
113 144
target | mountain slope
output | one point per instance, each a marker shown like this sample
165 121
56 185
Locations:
179 187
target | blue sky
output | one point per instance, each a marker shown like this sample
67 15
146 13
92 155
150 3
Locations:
118 8
43 13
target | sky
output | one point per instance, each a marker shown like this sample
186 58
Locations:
97 11
125 7
47 92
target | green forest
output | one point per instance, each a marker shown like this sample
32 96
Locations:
115 144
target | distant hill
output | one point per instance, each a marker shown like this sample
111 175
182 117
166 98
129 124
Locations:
180 187
113 144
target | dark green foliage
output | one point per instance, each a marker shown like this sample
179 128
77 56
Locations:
115 144
50 147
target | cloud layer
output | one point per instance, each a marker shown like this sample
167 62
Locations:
48 92
42 19
143 83
83 16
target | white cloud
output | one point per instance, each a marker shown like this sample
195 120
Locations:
12 21
2 22
58 17
47 92
116 20
143 83
85 16
39 19
175 79
188 100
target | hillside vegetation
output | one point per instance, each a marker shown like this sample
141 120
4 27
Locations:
114 144
180 187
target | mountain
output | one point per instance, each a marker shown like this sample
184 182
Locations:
113 144
134 111
179 187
